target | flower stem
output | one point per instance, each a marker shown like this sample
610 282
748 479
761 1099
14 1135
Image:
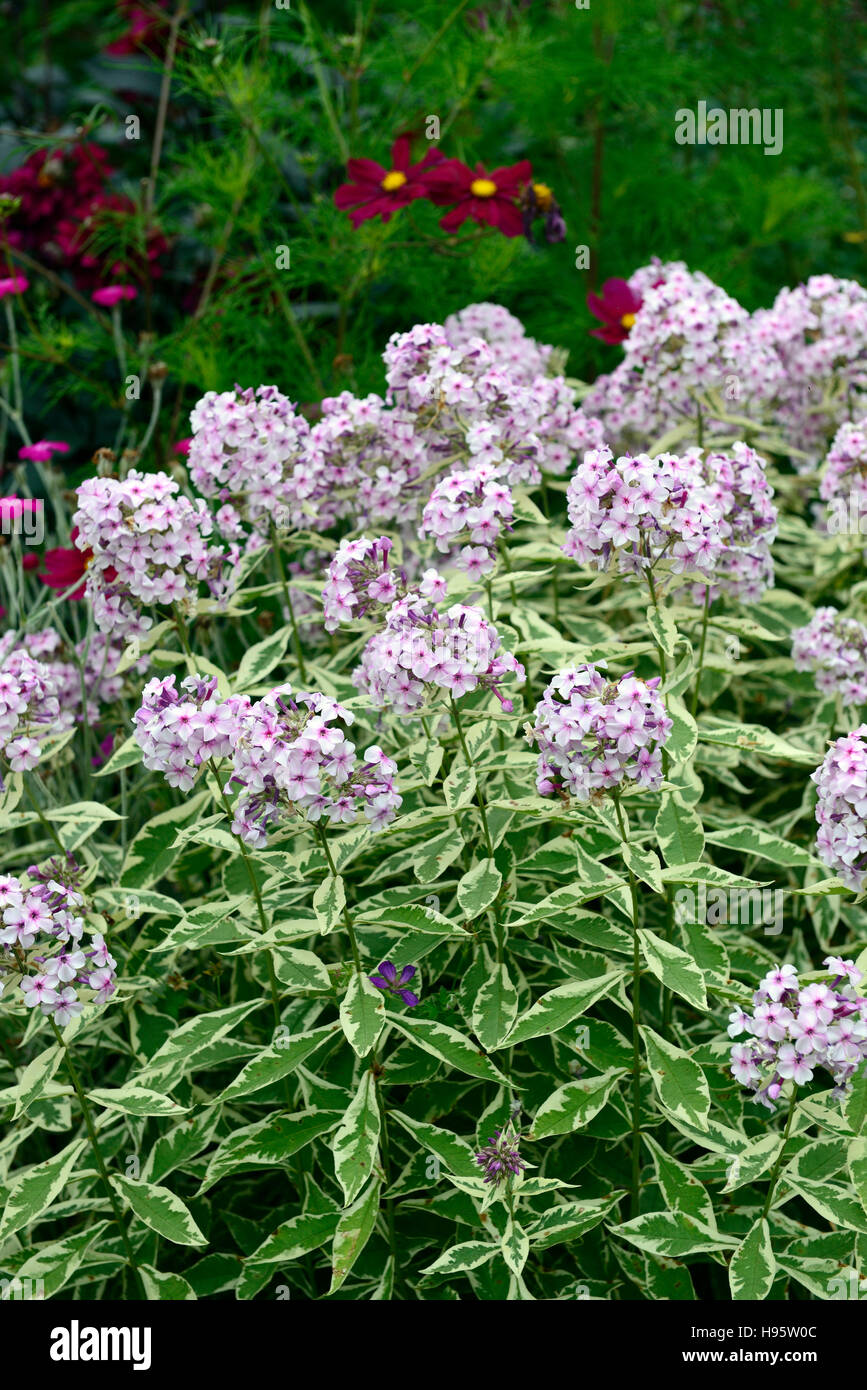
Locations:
97 1152
347 920
772 1185
636 1036
296 636
701 649
480 800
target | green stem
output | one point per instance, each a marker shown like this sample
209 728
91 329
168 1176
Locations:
257 894
480 800
296 636
636 1036
347 920
779 1163
46 823
701 649
97 1152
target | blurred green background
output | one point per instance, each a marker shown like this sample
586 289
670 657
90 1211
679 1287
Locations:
265 104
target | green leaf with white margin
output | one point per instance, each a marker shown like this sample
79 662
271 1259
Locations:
455 1153
160 1209
259 660
133 1099
35 1078
684 733
752 1267
278 1061
178 1053
362 1014
495 1004
856 1161
354 1230
299 969
673 967
413 915
764 844
755 738
574 1105
569 1221
682 1189
671 1234
479 887
329 902
36 1189
558 1007
449 1046
179 1144
753 1161
459 787
129 754
153 850
460 1259
268 1143
426 757
678 830
295 1238
515 1246
433 857
159 1287
355 1142
55 1264
663 630
645 866
679 1082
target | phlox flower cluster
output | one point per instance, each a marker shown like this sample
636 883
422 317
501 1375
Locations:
468 409
44 953
688 337
361 584
287 755
179 730
243 449
841 809
150 546
291 757
843 484
30 705
471 508
737 480
421 652
505 335
642 511
834 648
794 1031
595 734
819 333
361 460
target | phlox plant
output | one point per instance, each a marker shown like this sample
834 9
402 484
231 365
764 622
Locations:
364 781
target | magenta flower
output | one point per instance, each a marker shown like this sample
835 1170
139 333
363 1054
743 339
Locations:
110 295
13 284
378 192
41 451
183 446
617 309
388 980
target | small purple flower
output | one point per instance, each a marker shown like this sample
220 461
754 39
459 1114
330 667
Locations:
500 1159
388 980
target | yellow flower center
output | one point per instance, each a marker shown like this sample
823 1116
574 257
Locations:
627 320
544 196
395 179
483 188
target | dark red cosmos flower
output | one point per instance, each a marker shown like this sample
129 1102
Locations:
489 198
64 566
616 308
147 33
379 192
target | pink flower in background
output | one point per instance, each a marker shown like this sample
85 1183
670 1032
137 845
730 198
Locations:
110 295
379 192
41 451
183 446
13 284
